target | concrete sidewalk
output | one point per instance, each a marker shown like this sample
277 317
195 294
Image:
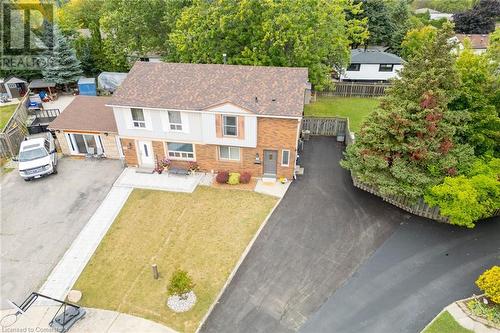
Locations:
37 319
65 274
130 177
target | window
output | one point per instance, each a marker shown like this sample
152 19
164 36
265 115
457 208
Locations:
180 150
385 68
175 120
230 125
229 153
138 118
354 67
285 157
85 143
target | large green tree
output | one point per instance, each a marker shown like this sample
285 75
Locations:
63 66
309 33
410 143
478 95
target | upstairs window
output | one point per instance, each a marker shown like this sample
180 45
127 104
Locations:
230 125
175 120
138 118
386 68
354 67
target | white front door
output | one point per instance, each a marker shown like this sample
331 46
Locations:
146 153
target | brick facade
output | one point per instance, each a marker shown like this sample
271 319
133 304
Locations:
108 142
272 134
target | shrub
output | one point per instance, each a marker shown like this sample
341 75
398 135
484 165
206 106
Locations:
245 177
234 178
165 162
180 283
489 283
222 177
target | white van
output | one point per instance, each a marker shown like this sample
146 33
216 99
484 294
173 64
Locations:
37 156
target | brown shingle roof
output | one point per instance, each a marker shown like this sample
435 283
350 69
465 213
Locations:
86 113
477 41
279 90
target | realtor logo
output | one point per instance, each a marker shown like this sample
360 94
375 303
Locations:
27 33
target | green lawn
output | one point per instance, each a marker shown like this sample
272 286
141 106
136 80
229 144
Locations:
5 112
356 108
445 323
204 233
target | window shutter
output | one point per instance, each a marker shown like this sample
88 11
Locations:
128 119
241 127
218 125
185 122
147 120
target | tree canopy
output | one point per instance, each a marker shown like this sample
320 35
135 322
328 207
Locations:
410 143
308 33
478 20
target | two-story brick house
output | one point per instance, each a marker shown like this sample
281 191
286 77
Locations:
224 117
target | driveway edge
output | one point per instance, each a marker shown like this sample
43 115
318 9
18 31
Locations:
237 266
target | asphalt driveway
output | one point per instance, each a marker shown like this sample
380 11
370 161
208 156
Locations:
315 240
420 269
40 219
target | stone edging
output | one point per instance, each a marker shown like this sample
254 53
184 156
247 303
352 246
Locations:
461 304
238 264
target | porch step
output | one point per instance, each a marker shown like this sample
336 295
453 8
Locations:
144 170
269 179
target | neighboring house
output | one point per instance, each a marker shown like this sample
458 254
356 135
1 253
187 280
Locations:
372 65
224 117
15 87
434 14
479 43
87 126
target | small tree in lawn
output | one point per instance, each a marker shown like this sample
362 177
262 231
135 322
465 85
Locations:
63 67
180 284
408 144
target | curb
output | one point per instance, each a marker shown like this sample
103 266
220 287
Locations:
238 264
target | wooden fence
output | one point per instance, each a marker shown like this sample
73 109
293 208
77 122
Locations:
419 208
14 131
355 89
325 126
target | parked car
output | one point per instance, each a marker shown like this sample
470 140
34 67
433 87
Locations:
37 156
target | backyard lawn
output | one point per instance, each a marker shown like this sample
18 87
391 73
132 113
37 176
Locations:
204 233
5 112
445 323
356 108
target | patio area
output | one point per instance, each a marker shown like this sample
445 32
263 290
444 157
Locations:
133 177
60 103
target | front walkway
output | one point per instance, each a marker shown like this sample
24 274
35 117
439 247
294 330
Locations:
37 319
132 177
65 274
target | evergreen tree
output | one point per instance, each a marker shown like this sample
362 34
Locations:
409 144
63 67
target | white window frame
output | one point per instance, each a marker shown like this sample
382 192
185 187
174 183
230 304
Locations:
288 159
175 127
138 123
181 155
224 125
73 147
229 149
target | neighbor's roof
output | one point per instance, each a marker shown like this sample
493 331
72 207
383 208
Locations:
273 91
361 56
477 41
38 83
86 113
14 79
424 10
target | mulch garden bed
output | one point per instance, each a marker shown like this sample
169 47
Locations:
247 187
